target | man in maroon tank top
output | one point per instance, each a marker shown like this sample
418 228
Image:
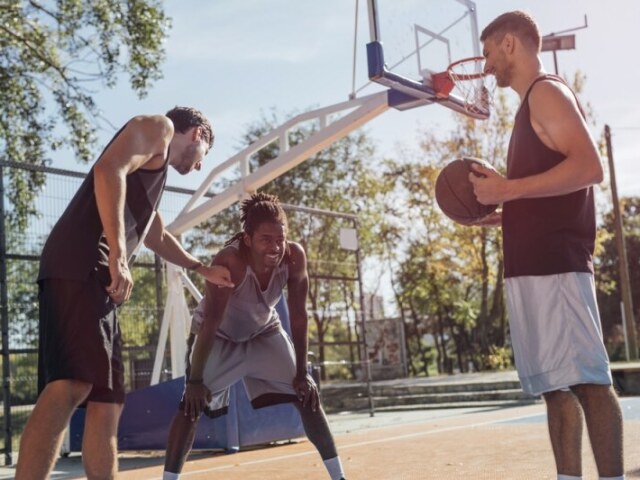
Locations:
548 227
84 275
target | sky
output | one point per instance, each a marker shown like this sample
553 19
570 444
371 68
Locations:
238 60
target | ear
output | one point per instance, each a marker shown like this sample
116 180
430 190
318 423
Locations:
509 43
246 238
196 133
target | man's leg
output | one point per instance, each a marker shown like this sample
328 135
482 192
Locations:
604 425
179 442
100 440
564 417
42 436
317 429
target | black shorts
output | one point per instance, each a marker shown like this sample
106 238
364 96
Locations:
80 337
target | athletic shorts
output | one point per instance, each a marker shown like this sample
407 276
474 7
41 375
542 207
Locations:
556 332
266 364
80 337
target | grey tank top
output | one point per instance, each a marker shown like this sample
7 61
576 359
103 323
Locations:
76 246
250 311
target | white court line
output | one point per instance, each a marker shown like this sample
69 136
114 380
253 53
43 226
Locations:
352 445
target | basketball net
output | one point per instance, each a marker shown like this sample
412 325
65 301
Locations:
465 79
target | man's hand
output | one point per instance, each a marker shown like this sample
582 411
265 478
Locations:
196 398
307 391
216 274
121 282
490 187
494 219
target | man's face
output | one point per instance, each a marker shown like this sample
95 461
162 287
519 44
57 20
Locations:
193 152
496 62
267 244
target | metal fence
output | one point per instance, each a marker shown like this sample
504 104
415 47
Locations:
140 318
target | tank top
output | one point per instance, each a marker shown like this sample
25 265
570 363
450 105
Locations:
76 246
550 235
250 311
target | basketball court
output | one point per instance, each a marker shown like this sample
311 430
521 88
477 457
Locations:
479 443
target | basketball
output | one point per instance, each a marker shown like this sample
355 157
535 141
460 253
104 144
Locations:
454 192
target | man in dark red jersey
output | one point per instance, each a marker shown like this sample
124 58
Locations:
84 275
548 225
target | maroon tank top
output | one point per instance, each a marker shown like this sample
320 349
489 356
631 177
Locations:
550 235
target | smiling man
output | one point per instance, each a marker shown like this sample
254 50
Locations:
240 336
549 231
84 275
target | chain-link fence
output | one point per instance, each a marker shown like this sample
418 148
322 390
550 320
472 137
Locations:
337 343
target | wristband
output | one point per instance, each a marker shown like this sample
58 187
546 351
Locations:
195 266
192 381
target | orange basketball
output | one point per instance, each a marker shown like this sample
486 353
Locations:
454 192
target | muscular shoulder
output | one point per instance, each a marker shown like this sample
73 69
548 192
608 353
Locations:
298 259
152 135
230 257
549 95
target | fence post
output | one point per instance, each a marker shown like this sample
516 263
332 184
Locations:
6 365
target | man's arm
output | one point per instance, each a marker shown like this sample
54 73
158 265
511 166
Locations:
167 246
557 121
144 140
298 288
216 299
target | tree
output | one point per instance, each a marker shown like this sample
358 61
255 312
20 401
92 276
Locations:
51 53
340 178
448 280
608 274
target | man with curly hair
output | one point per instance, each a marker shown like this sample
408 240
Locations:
241 337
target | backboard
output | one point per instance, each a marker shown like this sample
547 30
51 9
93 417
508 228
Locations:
411 39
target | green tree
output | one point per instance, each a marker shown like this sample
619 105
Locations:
608 274
340 178
448 280
51 55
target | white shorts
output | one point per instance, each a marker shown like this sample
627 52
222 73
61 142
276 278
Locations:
556 332
266 364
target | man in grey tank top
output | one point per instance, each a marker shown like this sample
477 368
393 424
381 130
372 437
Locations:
240 337
548 229
84 275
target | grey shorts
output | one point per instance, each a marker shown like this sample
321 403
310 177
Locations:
556 332
266 364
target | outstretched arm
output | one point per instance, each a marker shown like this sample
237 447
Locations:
298 288
167 246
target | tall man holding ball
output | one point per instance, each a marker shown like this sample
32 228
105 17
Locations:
549 227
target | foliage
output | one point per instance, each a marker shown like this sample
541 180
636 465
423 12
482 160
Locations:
448 278
51 53
340 178
608 274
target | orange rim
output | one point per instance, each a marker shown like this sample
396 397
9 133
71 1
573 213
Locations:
465 76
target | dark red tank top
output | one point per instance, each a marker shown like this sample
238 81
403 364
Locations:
77 246
544 236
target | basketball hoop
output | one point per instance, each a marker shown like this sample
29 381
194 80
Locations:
465 79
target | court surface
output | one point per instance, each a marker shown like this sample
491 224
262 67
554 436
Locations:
489 443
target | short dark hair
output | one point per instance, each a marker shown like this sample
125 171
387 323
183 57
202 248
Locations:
184 118
261 208
519 23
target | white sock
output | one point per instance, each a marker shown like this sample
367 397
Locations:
621 477
170 476
334 467
568 477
